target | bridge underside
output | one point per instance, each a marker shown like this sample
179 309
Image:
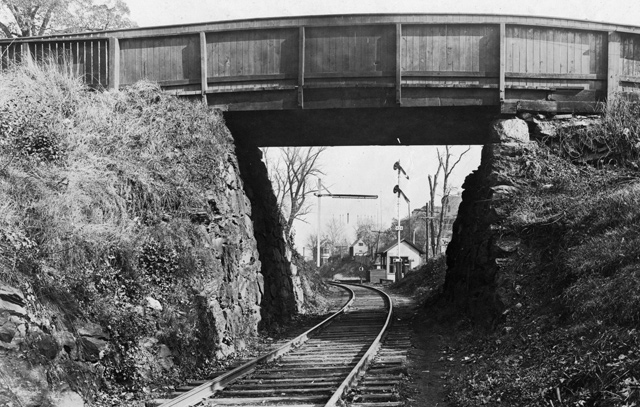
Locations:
363 126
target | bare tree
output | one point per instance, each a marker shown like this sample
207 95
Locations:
312 245
366 230
293 175
431 210
446 164
25 18
334 233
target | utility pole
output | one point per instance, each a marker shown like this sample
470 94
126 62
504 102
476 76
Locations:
426 230
399 229
377 241
319 194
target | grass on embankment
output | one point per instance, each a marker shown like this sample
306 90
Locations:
96 194
570 332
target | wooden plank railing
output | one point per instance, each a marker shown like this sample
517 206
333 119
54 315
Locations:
485 60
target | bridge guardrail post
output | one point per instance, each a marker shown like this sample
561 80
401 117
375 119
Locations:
502 62
399 64
204 82
613 64
301 51
114 63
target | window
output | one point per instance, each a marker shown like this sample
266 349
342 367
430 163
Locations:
360 244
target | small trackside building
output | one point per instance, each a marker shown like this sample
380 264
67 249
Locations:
410 255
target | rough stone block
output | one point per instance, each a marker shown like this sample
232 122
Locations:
507 244
46 345
89 329
67 342
92 349
12 301
509 131
165 357
67 398
153 304
503 191
8 331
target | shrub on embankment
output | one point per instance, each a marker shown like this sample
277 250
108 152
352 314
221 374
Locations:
126 253
569 330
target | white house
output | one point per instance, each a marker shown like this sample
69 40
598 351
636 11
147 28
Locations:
359 248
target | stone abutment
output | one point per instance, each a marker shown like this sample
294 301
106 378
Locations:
479 245
279 300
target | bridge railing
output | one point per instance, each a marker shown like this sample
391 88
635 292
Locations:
87 58
517 63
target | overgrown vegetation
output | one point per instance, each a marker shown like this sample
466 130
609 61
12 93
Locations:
569 335
104 203
424 283
614 140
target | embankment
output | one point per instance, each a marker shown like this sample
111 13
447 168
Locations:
127 249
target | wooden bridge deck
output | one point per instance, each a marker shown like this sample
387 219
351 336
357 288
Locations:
361 61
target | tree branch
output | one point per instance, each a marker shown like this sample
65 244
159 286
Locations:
5 29
46 20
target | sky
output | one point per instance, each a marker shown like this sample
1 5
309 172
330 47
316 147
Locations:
369 170
168 12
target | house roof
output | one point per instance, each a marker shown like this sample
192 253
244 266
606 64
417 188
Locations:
405 241
356 242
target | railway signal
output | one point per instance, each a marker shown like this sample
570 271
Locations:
396 190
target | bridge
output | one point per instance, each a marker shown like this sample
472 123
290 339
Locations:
393 77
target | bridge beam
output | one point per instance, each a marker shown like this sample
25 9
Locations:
390 126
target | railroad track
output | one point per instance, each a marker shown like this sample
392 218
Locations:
382 384
318 368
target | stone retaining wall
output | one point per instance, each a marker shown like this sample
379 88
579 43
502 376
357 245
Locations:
479 245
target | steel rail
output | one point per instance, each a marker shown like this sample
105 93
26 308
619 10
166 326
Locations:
364 362
209 388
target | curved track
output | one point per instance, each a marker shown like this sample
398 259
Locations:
316 369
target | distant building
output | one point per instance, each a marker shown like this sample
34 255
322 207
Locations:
359 248
326 251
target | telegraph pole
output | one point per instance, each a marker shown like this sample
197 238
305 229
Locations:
319 194
318 235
